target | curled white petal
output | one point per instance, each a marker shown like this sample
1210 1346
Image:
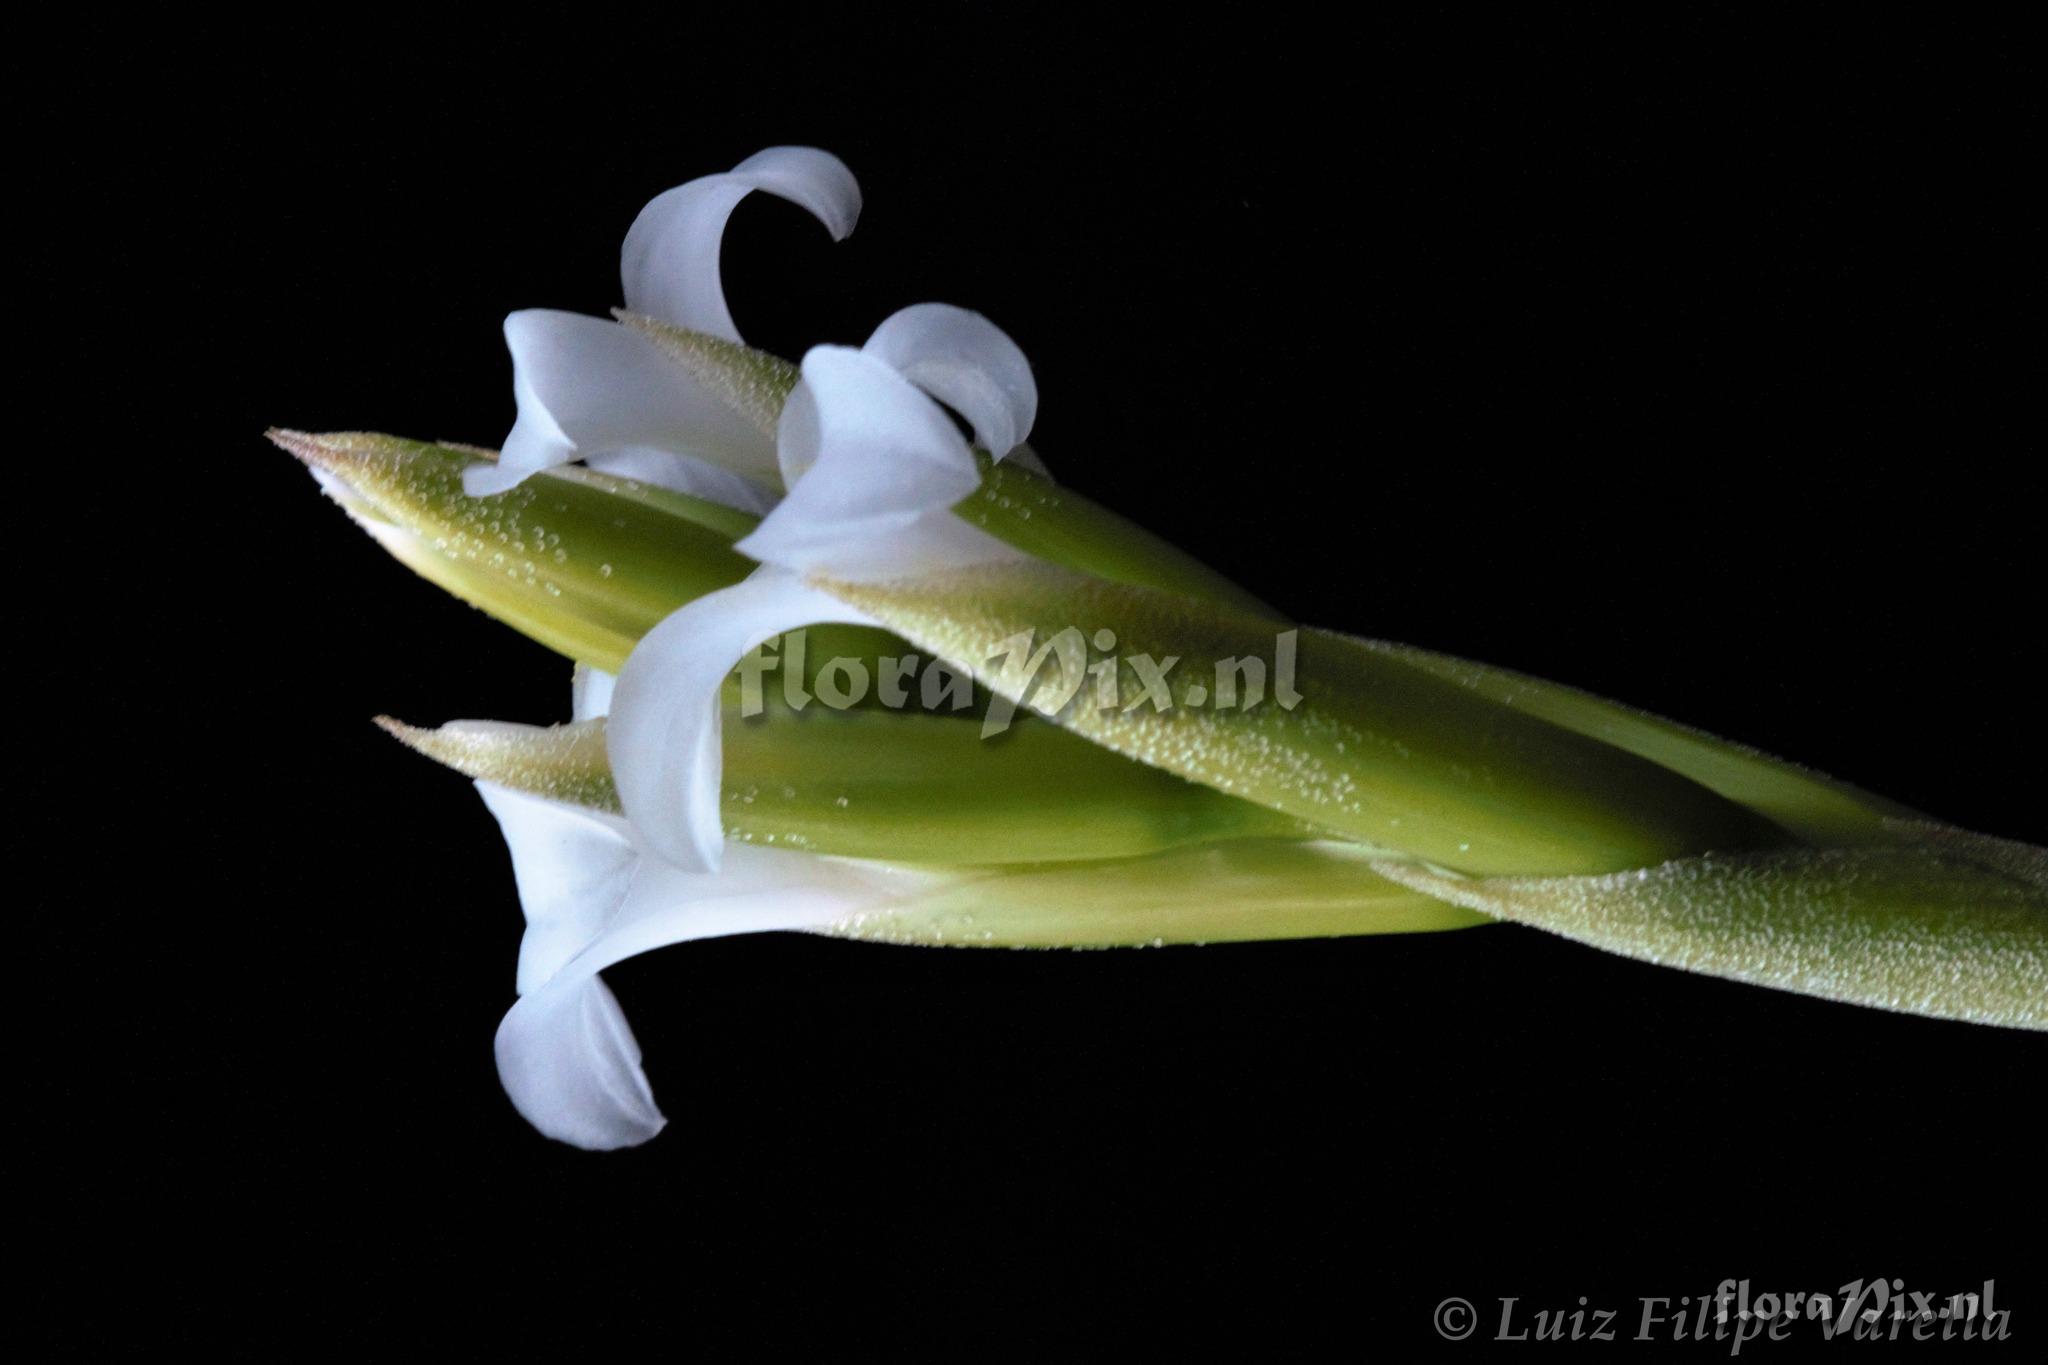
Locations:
669 264
588 387
571 1067
873 468
572 866
567 1057
966 362
663 733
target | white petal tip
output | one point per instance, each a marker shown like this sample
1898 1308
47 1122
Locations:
669 264
966 362
488 480
571 1068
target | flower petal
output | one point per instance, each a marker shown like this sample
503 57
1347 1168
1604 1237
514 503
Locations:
685 474
756 890
569 1062
873 469
590 692
566 1056
588 387
966 362
573 867
1028 458
669 264
663 732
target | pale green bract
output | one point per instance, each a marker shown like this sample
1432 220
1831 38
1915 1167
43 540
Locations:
1941 922
672 503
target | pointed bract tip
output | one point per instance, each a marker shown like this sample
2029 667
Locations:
443 745
330 449
411 736
333 451
304 445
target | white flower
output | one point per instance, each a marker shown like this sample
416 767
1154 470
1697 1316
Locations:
872 467
602 392
565 1053
596 390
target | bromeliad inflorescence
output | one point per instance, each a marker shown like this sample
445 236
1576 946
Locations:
1190 765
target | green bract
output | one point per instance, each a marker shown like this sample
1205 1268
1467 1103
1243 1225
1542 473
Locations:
907 787
1376 748
583 562
1395 790
1938 921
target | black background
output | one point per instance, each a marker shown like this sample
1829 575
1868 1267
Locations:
1692 365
